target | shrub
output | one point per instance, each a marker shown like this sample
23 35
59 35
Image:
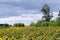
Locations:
19 25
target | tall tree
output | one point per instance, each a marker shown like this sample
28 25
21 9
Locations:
58 19
59 15
46 13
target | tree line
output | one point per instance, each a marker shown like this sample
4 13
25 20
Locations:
46 18
14 25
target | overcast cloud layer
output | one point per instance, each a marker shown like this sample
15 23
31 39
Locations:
25 11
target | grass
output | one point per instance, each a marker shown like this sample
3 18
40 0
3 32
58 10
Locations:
30 33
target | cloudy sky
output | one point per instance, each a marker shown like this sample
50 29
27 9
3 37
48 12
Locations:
25 11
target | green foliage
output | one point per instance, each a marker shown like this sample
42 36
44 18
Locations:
42 23
19 25
46 19
45 23
52 23
58 18
59 13
4 25
46 13
58 22
45 8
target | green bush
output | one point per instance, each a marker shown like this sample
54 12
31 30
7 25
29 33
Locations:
19 25
46 23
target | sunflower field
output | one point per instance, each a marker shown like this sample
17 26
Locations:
30 33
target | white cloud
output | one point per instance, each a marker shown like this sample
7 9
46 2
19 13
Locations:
25 18
55 15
